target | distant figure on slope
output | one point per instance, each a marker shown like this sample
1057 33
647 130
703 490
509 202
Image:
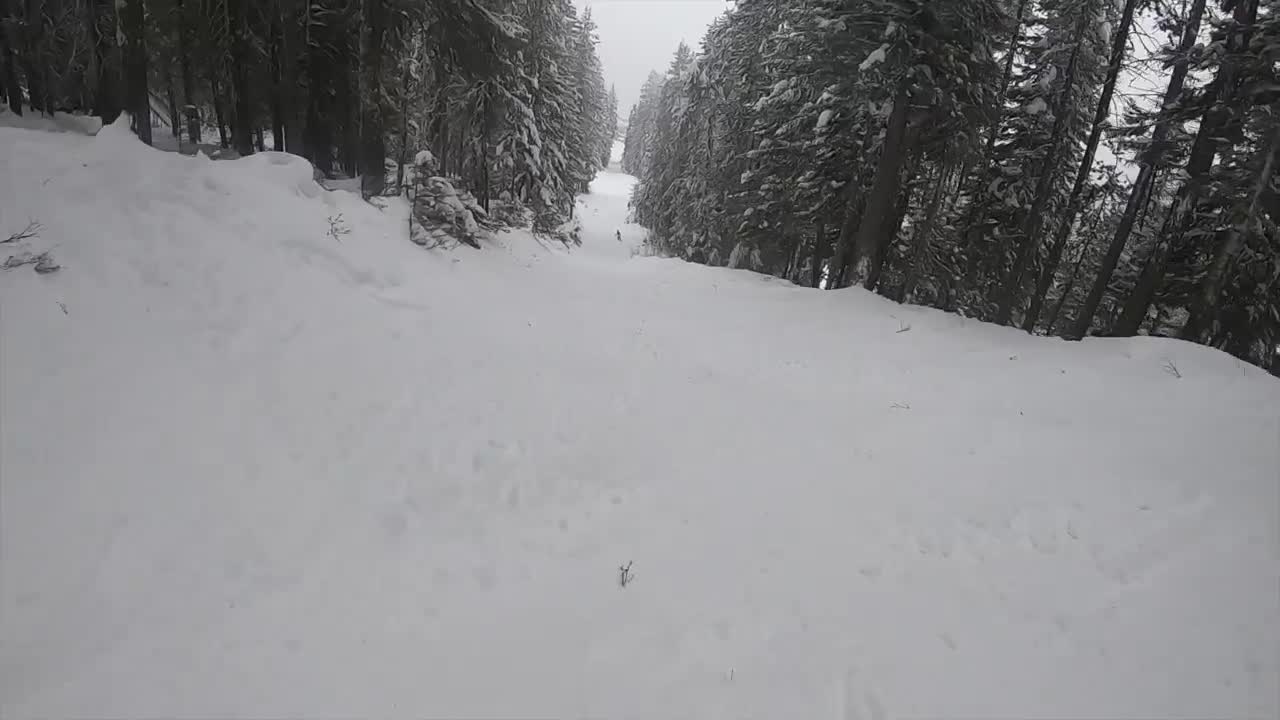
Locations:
618 233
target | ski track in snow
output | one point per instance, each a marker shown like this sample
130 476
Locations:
251 470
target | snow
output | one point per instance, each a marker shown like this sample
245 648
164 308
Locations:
824 119
247 469
876 57
1036 106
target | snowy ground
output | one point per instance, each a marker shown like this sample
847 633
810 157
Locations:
250 469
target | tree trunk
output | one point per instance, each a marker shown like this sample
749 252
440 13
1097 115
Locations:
1143 293
920 239
241 116
1118 43
293 67
884 191
132 16
887 250
277 84
1140 194
978 209
188 77
819 251
9 59
1204 303
373 142
1034 220
106 101
175 119
218 114
34 66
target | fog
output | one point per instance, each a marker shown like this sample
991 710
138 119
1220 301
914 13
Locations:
637 36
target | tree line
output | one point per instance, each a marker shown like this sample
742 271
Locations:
947 154
507 96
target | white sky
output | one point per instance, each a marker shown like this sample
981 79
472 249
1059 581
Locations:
637 36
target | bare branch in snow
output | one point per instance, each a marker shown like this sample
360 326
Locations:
32 229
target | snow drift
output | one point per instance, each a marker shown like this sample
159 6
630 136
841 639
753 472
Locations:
253 467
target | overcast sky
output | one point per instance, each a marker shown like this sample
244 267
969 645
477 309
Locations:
637 36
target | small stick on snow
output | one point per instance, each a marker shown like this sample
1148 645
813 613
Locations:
1172 369
902 327
624 574
31 230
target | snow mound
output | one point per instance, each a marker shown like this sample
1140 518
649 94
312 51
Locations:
251 465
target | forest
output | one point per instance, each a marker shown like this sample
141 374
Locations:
994 158
507 97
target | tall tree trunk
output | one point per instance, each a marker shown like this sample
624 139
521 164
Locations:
1140 194
9 58
277 85
1204 302
884 190
219 115
132 16
920 238
1074 276
242 115
819 251
191 110
294 26
973 226
34 65
886 254
1118 43
1140 298
373 141
1034 220
102 28
175 118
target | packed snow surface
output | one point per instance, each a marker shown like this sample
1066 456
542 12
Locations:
253 468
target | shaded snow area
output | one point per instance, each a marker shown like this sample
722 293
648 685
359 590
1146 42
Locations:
253 467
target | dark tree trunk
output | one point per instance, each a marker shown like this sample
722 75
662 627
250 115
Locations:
9 59
1204 303
920 239
293 68
1143 293
190 109
242 115
175 119
373 146
886 254
102 20
277 84
34 66
973 227
1034 221
218 114
1118 43
1139 195
819 251
884 190
137 94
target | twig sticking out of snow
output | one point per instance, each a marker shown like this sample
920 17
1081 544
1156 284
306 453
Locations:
1172 369
32 229
902 327
624 574
337 227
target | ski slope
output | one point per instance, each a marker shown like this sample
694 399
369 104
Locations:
248 469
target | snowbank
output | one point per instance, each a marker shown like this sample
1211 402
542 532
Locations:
249 467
